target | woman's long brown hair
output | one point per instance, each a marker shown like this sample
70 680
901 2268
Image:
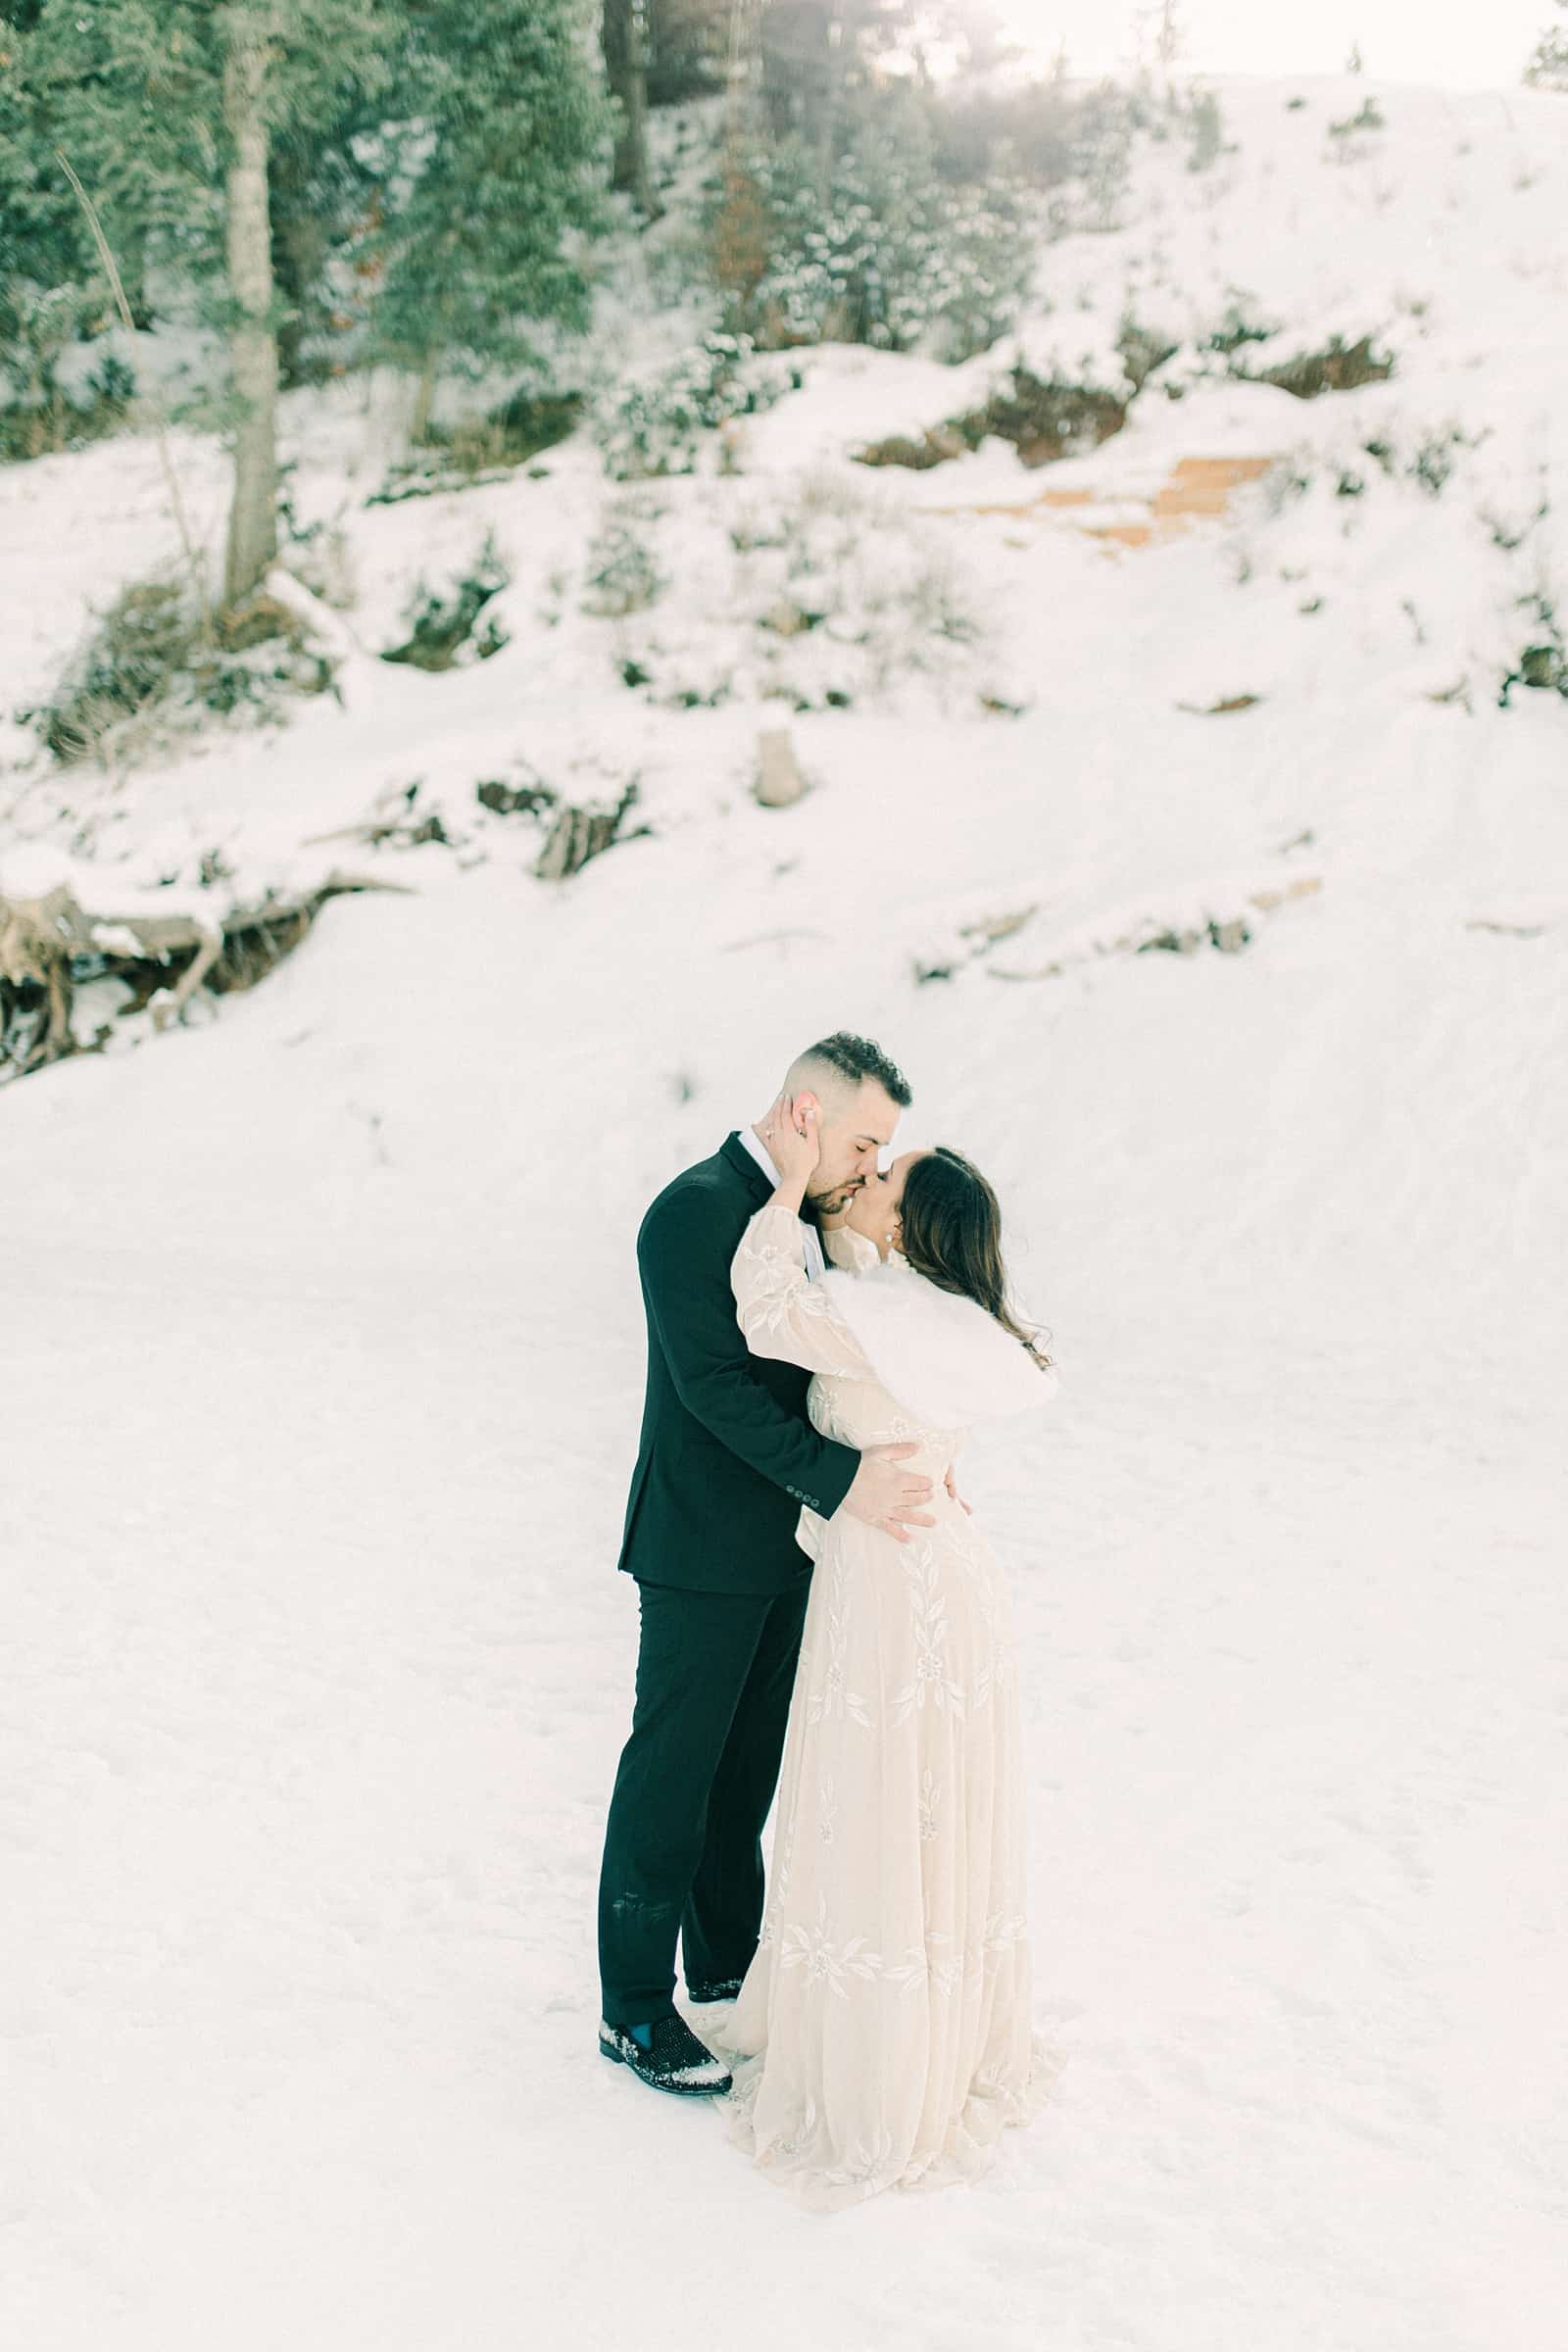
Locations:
952 1234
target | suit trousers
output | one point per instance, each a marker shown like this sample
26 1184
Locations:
683 1845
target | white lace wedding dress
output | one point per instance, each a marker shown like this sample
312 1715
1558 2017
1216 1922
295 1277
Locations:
882 2035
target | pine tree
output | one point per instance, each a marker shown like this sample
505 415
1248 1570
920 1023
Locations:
44 299
502 156
1547 69
167 110
624 37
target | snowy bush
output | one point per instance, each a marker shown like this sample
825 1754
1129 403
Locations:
826 601
1348 136
657 426
1103 147
1547 69
1204 126
39 414
1542 664
450 628
622 576
1433 460
1142 349
155 667
889 255
980 133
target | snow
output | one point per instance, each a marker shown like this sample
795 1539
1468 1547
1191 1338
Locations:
325 1353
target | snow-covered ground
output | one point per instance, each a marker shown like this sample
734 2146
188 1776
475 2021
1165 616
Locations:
323 1349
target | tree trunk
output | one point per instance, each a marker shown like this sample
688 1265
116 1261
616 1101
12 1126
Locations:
423 403
300 239
624 41
836 40
253 517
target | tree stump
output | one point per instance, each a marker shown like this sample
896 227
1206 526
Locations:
576 835
779 782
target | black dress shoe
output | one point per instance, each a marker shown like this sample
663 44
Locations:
725 1989
674 2060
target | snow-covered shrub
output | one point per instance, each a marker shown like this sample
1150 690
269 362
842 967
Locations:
1235 329
827 601
979 134
1045 417
154 664
142 645
40 412
113 381
1433 460
1204 126
1103 147
1142 349
1347 135
622 574
657 425
1339 366
889 255
1547 69
445 630
1543 662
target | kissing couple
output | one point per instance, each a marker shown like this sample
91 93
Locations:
823 1332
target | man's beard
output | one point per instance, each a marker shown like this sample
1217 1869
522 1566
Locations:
817 1205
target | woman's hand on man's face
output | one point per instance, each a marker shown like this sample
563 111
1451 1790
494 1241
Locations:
790 1134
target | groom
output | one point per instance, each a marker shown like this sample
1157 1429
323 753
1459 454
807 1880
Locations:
727 1458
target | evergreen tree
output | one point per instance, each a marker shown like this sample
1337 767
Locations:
167 110
1547 69
256 151
688 48
624 37
500 157
43 246
324 194
816 54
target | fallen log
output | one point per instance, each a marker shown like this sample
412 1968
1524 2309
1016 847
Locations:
51 945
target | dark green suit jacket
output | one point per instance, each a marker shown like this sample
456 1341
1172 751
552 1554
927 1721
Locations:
727 1455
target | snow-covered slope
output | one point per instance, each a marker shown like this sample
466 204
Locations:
325 1353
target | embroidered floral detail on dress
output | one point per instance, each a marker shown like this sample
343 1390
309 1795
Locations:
930 1797
802 2131
833 1701
932 1680
928 1964
867 2166
1004 1934
826 1962
775 1297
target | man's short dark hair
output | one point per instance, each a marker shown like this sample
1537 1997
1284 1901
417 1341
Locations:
857 1057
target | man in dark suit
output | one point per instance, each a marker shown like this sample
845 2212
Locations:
727 1458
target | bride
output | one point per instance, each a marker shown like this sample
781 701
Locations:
882 2034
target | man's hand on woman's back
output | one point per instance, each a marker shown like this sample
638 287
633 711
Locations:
885 1495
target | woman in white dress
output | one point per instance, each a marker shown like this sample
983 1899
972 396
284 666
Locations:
882 2035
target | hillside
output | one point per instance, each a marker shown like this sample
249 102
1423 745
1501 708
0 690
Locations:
1172 821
